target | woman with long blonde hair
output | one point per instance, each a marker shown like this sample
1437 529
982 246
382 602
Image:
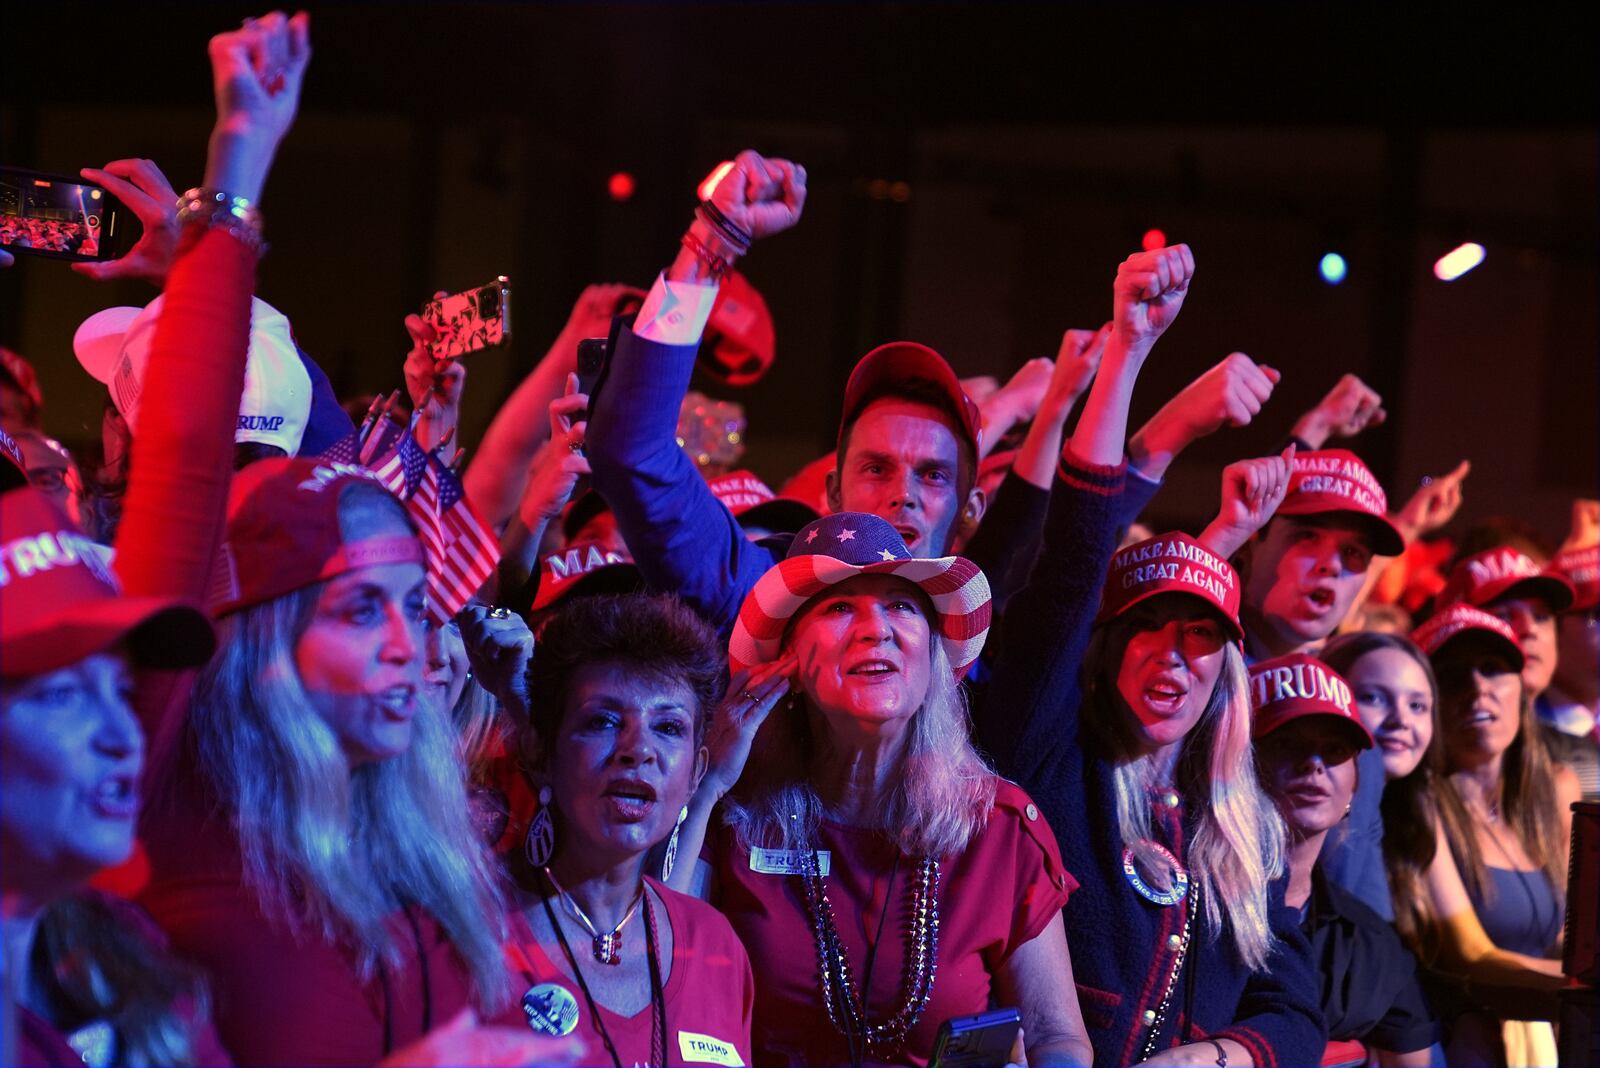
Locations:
309 835
1131 728
882 877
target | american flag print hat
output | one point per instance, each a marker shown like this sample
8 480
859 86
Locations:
839 547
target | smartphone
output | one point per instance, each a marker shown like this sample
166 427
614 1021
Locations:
592 355
471 320
59 217
981 1041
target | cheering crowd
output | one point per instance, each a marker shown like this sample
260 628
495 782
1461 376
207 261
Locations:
322 742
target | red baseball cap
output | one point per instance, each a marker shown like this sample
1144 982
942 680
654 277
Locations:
283 532
1171 563
1291 687
753 503
1332 481
1461 622
13 465
587 567
740 341
1483 578
897 363
810 483
1581 569
63 603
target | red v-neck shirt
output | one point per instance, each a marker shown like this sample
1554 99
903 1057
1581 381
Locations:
993 898
709 991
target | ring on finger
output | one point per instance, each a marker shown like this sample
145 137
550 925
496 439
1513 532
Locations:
499 612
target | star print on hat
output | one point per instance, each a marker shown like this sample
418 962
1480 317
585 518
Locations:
839 547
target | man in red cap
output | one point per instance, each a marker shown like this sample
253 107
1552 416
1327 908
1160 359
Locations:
1304 570
1570 705
908 440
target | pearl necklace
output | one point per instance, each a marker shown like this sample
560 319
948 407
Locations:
922 945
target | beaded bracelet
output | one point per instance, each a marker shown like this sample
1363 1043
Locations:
715 264
215 208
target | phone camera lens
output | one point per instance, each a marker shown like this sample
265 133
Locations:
488 302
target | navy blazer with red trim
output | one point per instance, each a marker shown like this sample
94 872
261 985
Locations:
1123 946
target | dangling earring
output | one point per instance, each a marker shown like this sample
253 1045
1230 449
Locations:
672 845
540 844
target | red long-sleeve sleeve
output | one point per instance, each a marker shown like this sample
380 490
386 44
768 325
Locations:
183 450
173 516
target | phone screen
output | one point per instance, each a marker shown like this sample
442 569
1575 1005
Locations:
54 216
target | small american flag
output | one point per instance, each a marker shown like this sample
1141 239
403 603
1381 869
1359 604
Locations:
462 554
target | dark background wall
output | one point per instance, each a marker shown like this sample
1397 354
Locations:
440 145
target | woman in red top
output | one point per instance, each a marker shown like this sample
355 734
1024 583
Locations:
866 842
619 686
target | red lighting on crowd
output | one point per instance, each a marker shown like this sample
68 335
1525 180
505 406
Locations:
1153 239
620 186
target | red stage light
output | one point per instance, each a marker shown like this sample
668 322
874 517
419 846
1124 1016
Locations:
620 186
1153 239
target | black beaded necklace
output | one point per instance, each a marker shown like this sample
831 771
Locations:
658 1000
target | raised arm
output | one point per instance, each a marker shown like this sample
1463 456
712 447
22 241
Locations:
498 470
1350 407
680 535
1075 367
182 455
1229 394
1030 716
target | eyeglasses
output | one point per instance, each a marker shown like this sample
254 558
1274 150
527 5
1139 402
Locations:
48 479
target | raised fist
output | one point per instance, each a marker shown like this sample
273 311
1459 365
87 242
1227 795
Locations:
257 71
1251 492
1149 292
760 196
1349 408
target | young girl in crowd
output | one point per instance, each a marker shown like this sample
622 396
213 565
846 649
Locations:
1307 735
882 877
1183 949
621 687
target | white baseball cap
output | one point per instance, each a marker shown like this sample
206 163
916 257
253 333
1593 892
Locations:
114 346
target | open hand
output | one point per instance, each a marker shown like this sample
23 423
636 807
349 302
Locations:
140 185
760 196
751 697
1149 292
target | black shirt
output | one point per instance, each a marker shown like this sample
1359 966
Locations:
1370 992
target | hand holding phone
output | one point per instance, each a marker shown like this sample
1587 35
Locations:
471 320
982 1041
58 217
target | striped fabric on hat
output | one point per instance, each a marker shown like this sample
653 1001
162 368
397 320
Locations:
840 547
